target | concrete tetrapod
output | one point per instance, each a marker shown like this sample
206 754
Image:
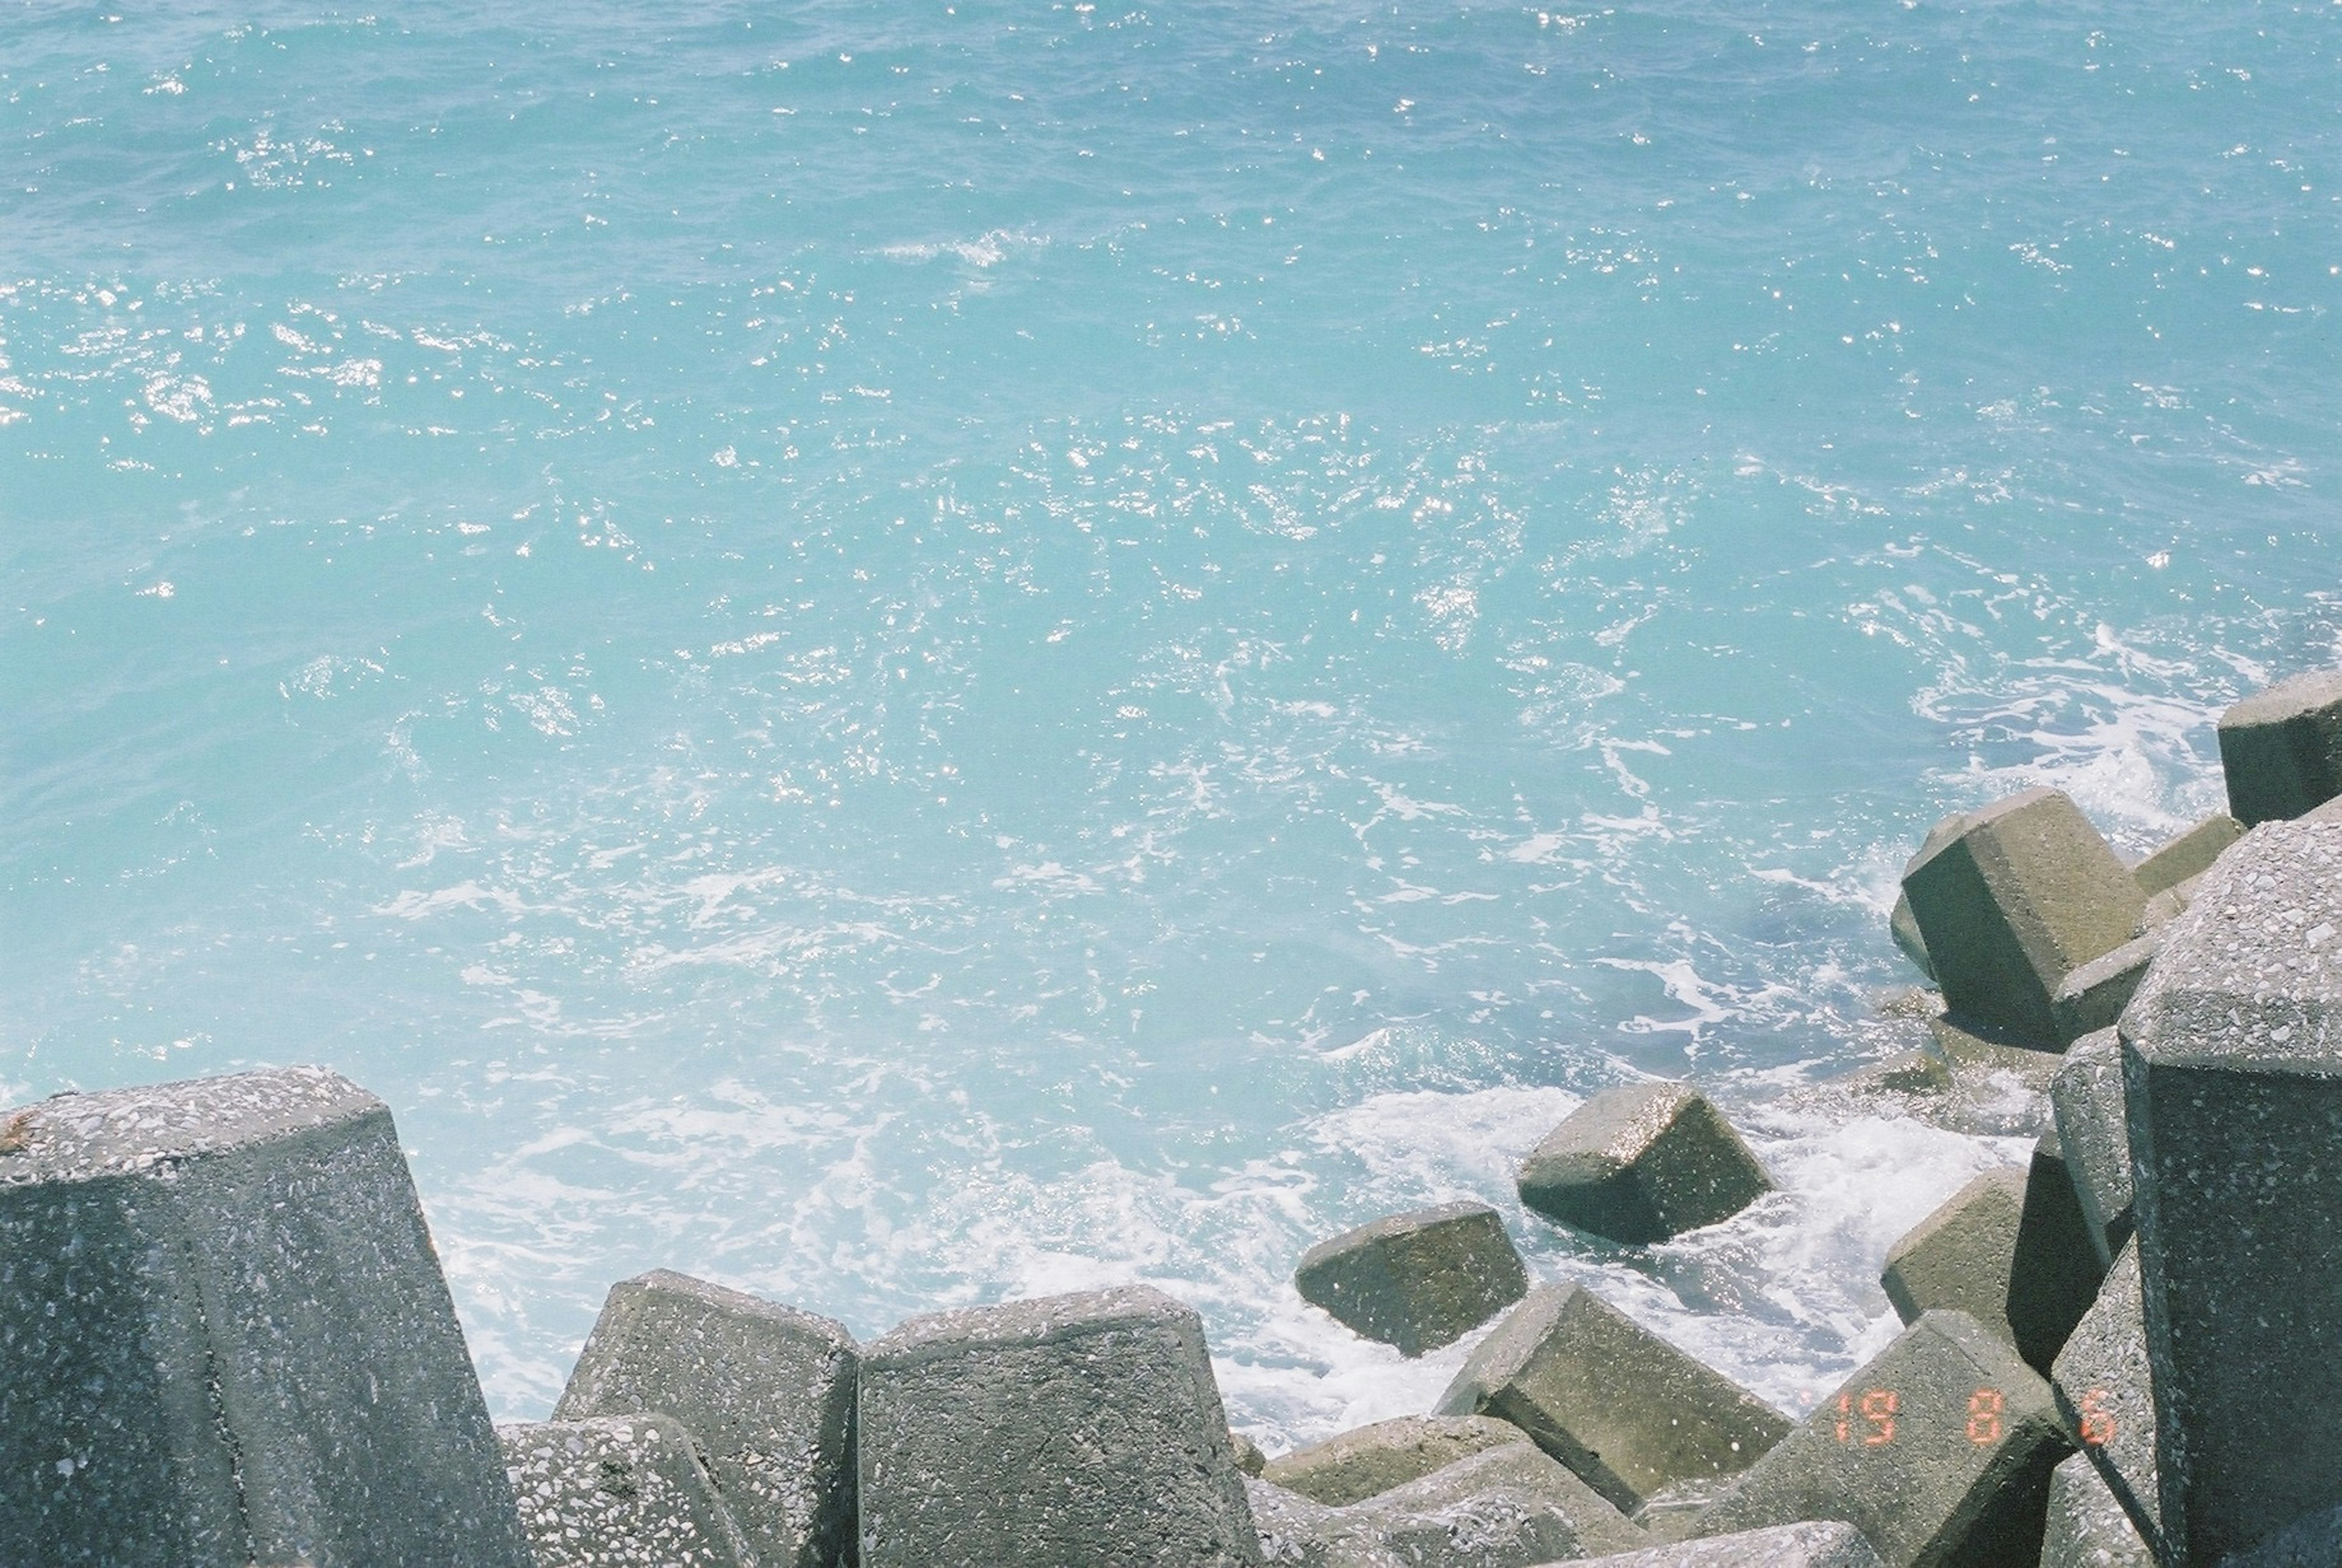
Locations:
1498 1508
2281 749
2087 1097
1418 1280
2232 1069
225 1338
2189 855
2021 897
1358 1464
1939 1451
1625 1410
1642 1163
620 1492
2107 1395
1078 1431
767 1390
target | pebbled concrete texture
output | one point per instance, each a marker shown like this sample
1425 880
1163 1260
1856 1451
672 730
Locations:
2107 1395
1080 1430
2232 1068
2086 1527
619 1492
2085 1097
767 1390
241 1265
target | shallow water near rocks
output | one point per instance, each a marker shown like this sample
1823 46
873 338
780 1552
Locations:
909 656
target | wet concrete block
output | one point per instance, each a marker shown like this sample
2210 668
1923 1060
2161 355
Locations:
2093 995
2189 855
1998 1087
1418 1280
1824 1544
1960 1257
619 1492
2281 749
2107 1395
2085 1097
224 1337
1078 1431
766 1389
1939 1451
2054 1276
1640 1163
1620 1406
2086 1527
2021 897
2233 1079
1357 1465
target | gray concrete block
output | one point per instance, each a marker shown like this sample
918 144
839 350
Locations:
1620 1406
2281 749
1418 1280
619 1492
766 1389
1249 1458
2312 1541
2093 995
2107 1395
2054 1276
2189 855
1939 1451
1902 924
1960 1257
2232 1066
2085 1097
1640 1163
227 1337
1074 1431
1493 1509
1358 1464
2166 906
1824 1544
2021 897
2086 1527
1295 1532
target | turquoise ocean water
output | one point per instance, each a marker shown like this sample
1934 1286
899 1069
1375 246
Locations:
904 655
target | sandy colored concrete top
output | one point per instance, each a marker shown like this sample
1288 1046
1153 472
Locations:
1047 1320
2302 693
82 1137
2251 976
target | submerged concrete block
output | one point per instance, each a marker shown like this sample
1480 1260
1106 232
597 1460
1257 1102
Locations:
1640 1163
1418 1280
2021 897
1997 1087
1077 1431
620 1492
2105 1391
2086 1527
2087 1097
1939 1451
1825 1544
767 1390
2093 995
2281 749
2232 1077
2054 1276
1355 1465
224 1337
2189 855
1959 1255
1620 1406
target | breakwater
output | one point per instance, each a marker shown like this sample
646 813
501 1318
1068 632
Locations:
226 1338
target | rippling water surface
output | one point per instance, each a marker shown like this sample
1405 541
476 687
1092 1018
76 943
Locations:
904 655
